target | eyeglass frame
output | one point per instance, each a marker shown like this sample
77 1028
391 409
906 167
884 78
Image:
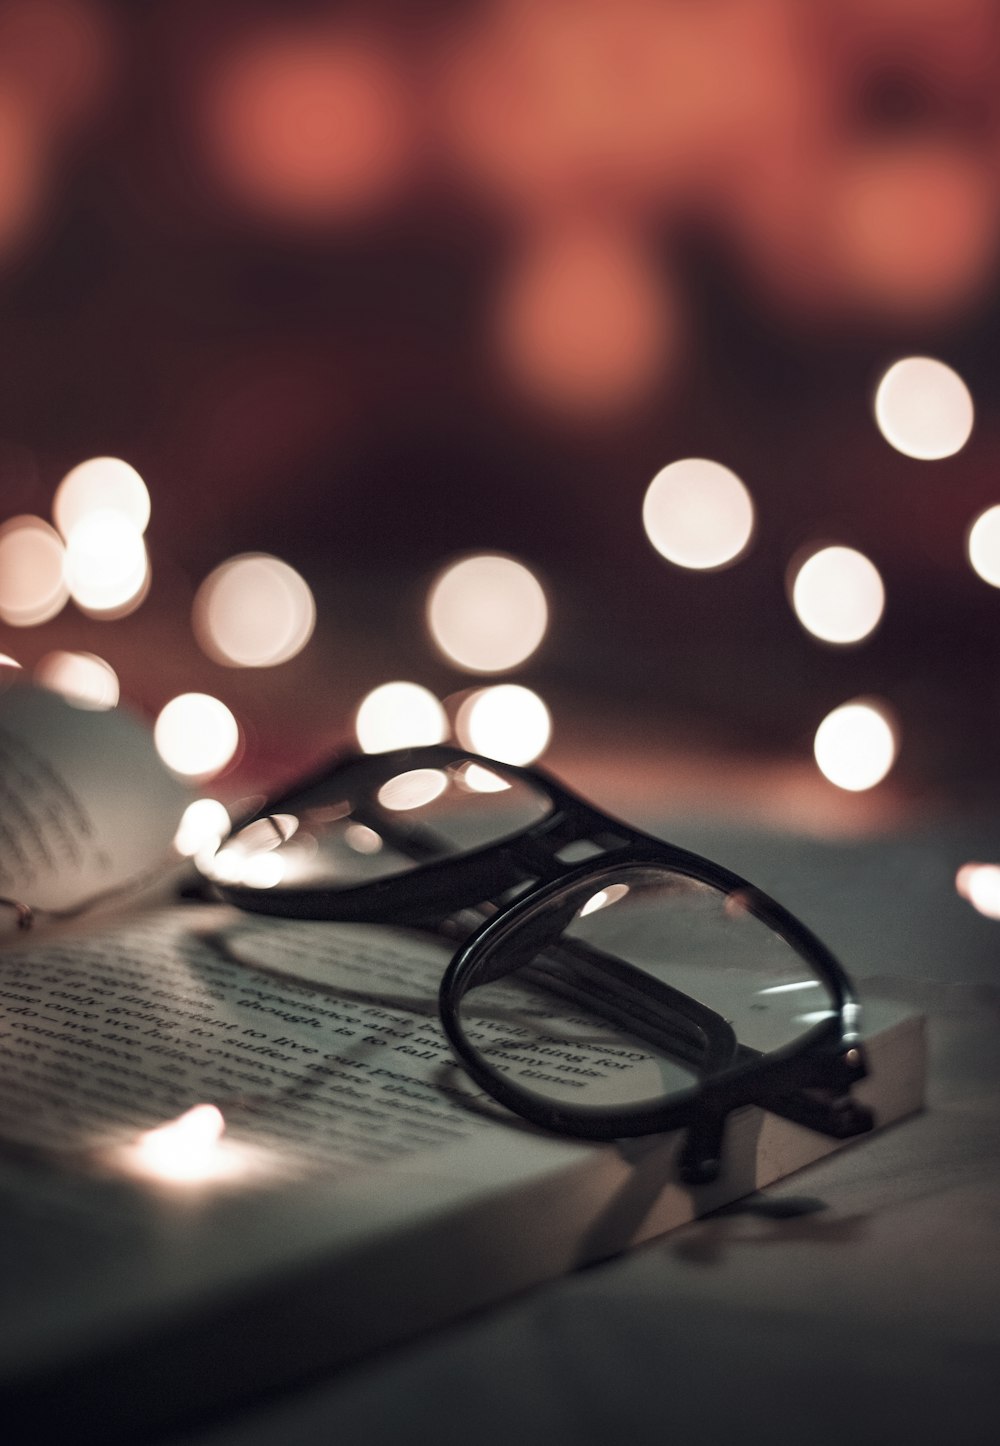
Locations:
808 1081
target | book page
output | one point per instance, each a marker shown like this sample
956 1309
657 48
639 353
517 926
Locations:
363 1189
319 1043
85 803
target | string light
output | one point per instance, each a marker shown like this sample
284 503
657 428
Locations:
980 885
983 546
924 409
102 484
487 613
399 715
191 1150
84 678
253 611
838 595
855 745
32 583
507 722
698 514
106 565
196 735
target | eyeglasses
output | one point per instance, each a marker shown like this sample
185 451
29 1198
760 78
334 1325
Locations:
606 984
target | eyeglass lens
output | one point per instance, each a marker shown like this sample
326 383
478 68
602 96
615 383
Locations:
348 830
636 985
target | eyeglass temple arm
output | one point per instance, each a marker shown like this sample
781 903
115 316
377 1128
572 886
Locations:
647 1007
827 1109
815 1090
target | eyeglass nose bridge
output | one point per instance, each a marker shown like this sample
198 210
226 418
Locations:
564 841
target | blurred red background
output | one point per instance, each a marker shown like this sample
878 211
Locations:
372 286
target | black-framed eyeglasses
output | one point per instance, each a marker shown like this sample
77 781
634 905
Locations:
607 984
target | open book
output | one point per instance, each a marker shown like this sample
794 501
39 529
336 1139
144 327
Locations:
154 1263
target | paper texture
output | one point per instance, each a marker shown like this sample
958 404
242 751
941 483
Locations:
85 803
365 1187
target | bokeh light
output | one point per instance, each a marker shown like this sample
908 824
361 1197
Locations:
308 123
32 582
583 322
924 409
855 745
106 564
253 611
698 514
837 594
204 824
187 1150
83 678
102 484
22 163
911 228
196 735
400 715
983 546
980 885
487 613
507 722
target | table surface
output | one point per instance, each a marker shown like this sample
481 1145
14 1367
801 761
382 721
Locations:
858 1301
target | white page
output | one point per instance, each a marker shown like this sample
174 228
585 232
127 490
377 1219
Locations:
320 1043
85 803
363 1183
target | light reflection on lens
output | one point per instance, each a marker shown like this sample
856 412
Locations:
855 745
603 898
106 566
838 595
263 871
980 885
267 833
414 789
203 826
477 779
196 735
362 839
698 514
983 546
83 678
225 866
32 585
400 715
487 613
507 722
102 484
253 611
924 409
791 988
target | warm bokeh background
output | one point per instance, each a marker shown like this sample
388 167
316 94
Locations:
368 287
